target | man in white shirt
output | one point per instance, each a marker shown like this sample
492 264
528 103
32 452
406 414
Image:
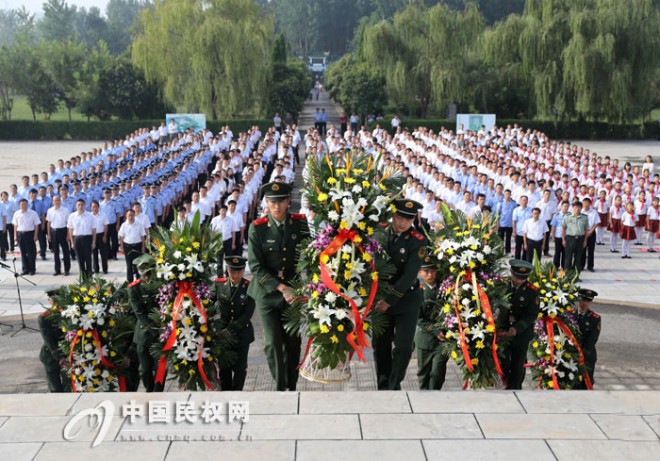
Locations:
548 209
197 205
132 240
534 232
82 234
223 224
26 228
101 240
57 218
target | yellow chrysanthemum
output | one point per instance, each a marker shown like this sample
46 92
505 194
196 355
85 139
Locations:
332 181
322 197
324 329
334 339
340 327
454 355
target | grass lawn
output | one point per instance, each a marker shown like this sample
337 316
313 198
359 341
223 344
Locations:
21 111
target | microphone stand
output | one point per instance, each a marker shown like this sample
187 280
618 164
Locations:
20 301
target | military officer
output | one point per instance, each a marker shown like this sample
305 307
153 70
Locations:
406 249
431 358
141 293
589 323
52 357
518 324
272 257
236 308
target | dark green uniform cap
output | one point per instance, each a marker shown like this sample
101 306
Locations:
407 208
235 262
586 294
276 191
521 269
428 262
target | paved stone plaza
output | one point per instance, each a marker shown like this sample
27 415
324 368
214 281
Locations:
329 426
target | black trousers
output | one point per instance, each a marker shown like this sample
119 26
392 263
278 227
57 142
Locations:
131 252
588 253
534 246
58 239
393 349
100 250
520 252
113 241
233 378
3 245
574 250
43 241
83 247
514 363
560 254
28 251
505 234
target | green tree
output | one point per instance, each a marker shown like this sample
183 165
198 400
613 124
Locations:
16 25
59 21
210 56
356 86
64 61
289 82
122 15
33 80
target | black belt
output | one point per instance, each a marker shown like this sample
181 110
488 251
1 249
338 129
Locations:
83 236
25 232
575 236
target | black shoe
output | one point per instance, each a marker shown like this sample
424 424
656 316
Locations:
56 274
32 273
43 258
66 273
591 270
624 257
25 273
615 251
651 250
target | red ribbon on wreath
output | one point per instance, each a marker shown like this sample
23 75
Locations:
358 320
485 307
96 339
185 289
550 324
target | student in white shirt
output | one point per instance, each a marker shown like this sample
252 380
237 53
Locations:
224 225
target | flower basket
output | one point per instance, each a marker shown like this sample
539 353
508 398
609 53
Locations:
312 370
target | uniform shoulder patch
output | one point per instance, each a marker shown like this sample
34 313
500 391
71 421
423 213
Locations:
134 283
298 216
417 235
246 283
531 286
594 315
260 221
382 224
221 280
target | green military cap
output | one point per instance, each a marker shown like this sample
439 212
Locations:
235 262
586 294
428 262
54 291
407 208
521 269
276 191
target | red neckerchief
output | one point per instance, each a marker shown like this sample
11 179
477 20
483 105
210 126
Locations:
617 210
602 205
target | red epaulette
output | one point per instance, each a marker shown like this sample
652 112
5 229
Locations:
44 313
298 216
134 283
417 235
260 221
247 283
531 286
594 315
383 224
221 280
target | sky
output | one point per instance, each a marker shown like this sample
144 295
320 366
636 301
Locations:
35 6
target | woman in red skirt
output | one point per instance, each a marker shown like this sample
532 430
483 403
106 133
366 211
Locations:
653 223
603 209
614 223
641 207
628 221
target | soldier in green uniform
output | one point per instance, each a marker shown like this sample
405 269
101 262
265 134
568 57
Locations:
589 323
236 308
141 295
54 360
406 249
273 257
518 325
431 359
